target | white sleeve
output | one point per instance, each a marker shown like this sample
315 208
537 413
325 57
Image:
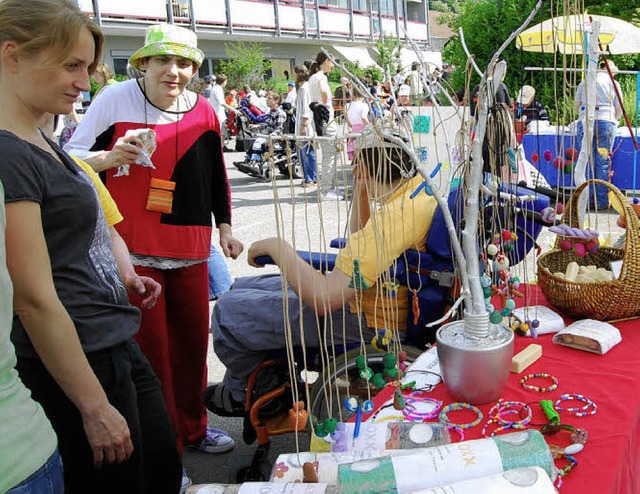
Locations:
95 122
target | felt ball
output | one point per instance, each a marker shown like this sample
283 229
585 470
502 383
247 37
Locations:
548 214
558 162
565 245
389 360
378 381
486 291
514 237
559 208
502 262
509 247
366 373
635 200
510 304
320 430
361 362
519 332
403 366
547 155
535 158
492 250
568 167
490 308
535 324
505 312
391 372
571 154
516 284
495 317
402 356
351 404
592 245
579 250
368 406
524 327
516 279
485 281
330 425
506 235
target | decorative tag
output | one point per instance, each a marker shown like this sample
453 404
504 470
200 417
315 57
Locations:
160 198
422 124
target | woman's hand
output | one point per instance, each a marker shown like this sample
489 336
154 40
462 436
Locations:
126 150
108 435
147 288
231 246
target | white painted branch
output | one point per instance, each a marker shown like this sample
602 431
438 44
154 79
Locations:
450 312
469 56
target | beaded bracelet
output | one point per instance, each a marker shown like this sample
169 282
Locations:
553 386
411 413
562 472
511 407
459 406
590 408
505 427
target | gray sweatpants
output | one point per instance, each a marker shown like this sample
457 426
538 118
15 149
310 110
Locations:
248 324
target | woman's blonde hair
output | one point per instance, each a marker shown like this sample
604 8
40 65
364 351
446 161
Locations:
37 25
104 70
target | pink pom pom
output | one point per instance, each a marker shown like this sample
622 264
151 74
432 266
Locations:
547 155
558 162
559 208
571 154
535 158
579 250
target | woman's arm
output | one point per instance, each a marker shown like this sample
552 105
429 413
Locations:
54 336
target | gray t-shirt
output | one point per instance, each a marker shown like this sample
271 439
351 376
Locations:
84 270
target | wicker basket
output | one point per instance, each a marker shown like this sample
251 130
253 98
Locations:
601 300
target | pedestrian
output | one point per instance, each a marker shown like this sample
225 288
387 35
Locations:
74 325
304 128
167 202
320 93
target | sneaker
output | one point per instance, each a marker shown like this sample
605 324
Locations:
306 185
186 481
219 400
215 441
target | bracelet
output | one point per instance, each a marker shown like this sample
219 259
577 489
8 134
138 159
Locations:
411 413
553 386
443 417
518 407
590 408
505 427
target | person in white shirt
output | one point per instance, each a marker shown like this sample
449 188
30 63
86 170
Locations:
357 116
607 114
216 98
320 93
292 94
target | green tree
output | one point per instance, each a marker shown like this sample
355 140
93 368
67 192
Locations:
245 64
388 53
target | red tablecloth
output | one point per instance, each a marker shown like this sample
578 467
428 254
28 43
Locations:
610 462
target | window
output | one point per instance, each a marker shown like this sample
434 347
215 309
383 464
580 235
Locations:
311 19
120 66
180 8
360 5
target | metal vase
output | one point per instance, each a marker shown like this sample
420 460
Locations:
475 369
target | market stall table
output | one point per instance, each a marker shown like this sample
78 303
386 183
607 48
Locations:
610 461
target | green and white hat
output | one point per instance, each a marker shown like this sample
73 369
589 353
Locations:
167 39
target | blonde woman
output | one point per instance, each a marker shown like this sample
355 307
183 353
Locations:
74 326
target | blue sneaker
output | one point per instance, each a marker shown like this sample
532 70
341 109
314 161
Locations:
215 441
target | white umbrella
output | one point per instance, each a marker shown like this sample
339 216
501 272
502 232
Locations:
566 34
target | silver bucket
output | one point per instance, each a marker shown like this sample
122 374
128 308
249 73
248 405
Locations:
474 370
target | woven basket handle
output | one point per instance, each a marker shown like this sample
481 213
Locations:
632 241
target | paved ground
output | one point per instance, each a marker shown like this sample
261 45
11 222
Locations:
255 217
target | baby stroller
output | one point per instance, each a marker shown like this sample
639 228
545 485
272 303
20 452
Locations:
259 161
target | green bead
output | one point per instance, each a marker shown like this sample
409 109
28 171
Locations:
495 317
487 291
378 381
505 312
510 304
389 360
320 430
330 425
391 372
366 373
361 362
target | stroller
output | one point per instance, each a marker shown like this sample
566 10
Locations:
258 160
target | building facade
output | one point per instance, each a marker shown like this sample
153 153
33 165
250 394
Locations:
290 30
